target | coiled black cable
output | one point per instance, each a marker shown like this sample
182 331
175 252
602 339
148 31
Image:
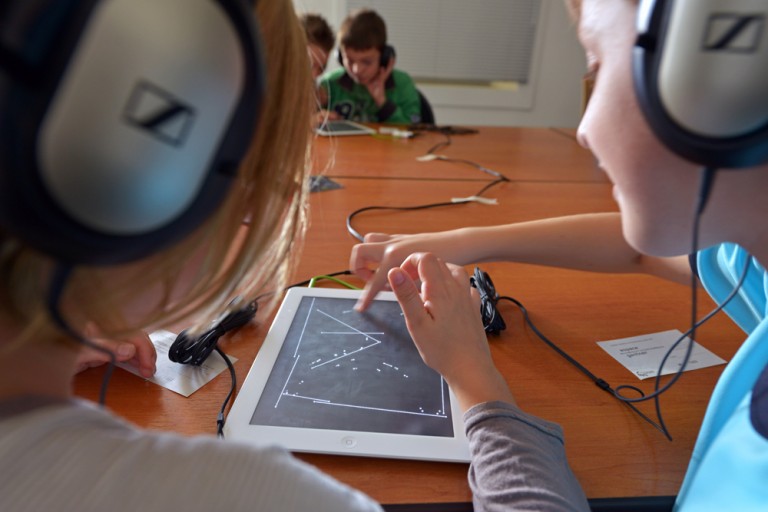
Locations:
492 320
194 350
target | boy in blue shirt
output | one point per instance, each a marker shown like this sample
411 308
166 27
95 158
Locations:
658 186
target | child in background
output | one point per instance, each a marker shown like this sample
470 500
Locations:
368 88
320 41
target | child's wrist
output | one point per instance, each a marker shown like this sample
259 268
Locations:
480 387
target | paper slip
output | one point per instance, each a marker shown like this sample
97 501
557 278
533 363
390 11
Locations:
642 355
183 379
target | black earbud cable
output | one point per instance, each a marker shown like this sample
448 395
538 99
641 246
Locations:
187 349
500 178
194 350
360 237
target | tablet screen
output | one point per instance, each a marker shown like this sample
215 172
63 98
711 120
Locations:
344 370
329 379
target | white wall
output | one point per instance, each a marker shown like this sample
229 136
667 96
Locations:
553 97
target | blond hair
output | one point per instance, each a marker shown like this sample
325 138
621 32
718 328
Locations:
245 248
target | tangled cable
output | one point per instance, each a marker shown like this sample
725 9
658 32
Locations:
187 349
492 320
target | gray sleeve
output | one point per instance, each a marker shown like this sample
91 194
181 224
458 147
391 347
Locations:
518 462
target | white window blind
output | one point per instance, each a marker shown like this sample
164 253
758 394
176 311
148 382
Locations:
460 40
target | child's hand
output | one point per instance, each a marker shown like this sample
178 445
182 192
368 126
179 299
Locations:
321 116
380 252
377 86
443 318
137 351
372 260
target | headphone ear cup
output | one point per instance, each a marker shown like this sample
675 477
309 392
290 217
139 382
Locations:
387 54
103 171
701 74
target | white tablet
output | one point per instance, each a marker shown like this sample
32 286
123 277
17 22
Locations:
331 380
342 127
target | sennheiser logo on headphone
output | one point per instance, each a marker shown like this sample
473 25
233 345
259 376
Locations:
733 32
159 113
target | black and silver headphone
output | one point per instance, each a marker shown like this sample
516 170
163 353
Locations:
701 77
122 122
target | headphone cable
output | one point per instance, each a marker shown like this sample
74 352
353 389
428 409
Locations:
58 283
493 322
491 317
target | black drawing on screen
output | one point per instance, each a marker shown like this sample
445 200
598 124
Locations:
340 369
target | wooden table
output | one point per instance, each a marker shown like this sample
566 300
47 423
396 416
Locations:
611 450
521 154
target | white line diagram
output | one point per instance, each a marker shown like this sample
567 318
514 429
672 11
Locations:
360 367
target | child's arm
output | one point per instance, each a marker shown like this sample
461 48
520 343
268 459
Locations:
591 242
399 105
518 461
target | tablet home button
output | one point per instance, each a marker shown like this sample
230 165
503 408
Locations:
348 442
